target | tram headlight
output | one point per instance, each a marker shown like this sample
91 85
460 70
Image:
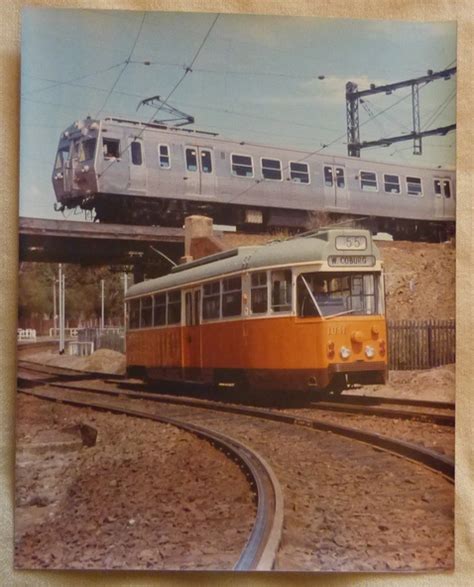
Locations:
369 352
345 352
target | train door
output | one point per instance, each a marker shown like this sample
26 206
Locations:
443 199
335 186
200 175
137 166
192 353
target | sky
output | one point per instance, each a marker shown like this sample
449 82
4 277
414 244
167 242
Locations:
255 78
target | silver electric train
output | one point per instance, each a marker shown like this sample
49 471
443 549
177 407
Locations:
133 172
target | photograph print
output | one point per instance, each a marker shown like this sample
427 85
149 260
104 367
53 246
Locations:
236 314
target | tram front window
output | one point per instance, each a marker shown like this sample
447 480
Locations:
326 295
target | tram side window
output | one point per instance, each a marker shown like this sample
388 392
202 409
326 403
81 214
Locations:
368 181
271 169
111 148
134 313
164 156
391 184
146 319
211 300
174 307
259 293
159 316
437 187
232 296
414 186
136 150
191 160
242 165
281 291
299 172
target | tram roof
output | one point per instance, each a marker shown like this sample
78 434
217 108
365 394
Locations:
313 248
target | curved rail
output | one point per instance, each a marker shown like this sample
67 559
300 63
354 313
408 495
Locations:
262 545
429 458
444 419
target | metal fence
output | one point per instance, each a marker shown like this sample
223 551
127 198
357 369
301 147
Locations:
107 338
421 344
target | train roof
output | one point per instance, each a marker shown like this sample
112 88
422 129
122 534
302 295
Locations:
313 248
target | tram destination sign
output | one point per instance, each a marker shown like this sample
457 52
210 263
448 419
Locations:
351 260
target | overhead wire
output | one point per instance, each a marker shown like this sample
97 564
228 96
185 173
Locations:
175 87
125 65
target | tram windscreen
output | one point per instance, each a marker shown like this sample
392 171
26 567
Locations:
330 294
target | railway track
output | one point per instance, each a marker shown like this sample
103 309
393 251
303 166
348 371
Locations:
427 457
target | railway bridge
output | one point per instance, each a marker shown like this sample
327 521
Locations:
144 250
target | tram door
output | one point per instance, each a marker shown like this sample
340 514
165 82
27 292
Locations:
200 176
192 352
335 186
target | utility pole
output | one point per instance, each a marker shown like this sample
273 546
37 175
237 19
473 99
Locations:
55 309
125 287
102 321
354 97
62 308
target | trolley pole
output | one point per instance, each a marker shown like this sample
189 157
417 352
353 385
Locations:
102 305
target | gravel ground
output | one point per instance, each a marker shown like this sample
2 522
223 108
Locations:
118 504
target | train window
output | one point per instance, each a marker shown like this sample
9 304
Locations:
391 184
211 300
232 296
437 187
259 293
206 162
414 186
136 149
340 179
191 160
87 150
447 188
146 319
134 313
328 176
111 148
281 291
271 169
164 156
242 165
368 181
299 172
62 157
174 307
159 314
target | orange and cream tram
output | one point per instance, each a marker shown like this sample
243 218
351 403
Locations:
295 315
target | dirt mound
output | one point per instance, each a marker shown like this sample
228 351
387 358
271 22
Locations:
419 280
